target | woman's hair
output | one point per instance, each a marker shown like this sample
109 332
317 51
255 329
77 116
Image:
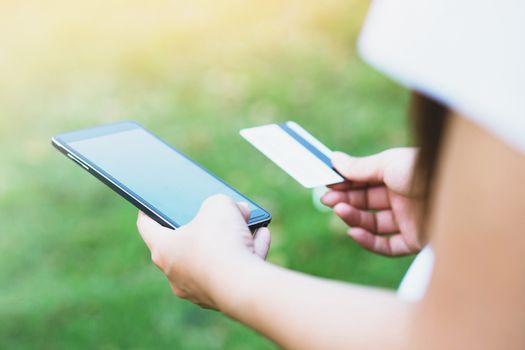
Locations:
429 120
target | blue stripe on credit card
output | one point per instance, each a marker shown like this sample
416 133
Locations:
323 157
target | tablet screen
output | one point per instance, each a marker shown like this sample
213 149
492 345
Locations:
166 179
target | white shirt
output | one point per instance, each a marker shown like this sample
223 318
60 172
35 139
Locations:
467 54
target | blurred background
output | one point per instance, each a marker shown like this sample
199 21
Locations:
73 272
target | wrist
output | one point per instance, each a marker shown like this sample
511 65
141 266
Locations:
234 285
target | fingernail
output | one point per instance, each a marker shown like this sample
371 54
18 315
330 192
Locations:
243 204
244 207
328 196
341 207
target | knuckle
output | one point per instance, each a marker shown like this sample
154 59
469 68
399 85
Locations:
178 292
156 258
217 199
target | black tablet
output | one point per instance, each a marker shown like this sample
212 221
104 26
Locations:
157 178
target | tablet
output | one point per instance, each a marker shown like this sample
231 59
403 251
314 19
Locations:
158 179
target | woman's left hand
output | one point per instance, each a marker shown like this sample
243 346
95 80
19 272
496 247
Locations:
195 256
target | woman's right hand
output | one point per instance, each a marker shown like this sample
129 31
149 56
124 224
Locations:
376 200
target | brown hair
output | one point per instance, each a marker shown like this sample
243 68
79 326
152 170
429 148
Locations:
429 120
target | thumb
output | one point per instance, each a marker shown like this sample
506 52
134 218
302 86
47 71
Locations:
360 169
223 208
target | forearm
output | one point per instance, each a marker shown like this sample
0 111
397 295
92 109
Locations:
299 311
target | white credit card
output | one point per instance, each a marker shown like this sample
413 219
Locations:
295 151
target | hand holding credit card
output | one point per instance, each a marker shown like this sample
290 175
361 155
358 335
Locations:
295 151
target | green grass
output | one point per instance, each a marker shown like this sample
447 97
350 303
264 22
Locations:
74 273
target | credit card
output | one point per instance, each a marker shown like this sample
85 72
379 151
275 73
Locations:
295 151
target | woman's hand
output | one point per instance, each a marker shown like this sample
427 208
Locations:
195 256
376 201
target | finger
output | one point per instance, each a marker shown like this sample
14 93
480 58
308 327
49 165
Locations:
331 198
342 186
218 201
245 210
389 246
221 206
381 222
261 242
347 185
150 231
365 169
369 198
